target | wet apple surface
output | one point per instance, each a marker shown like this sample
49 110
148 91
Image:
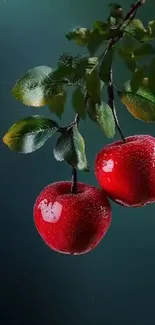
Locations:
126 171
72 223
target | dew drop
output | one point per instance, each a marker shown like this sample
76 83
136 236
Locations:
108 166
50 212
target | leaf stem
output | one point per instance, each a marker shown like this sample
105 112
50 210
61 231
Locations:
67 127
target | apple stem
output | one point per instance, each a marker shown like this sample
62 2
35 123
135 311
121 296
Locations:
112 103
74 181
74 171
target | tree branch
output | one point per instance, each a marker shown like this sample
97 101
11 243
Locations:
128 18
131 14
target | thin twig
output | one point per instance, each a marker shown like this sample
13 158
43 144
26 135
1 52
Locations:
112 104
131 14
128 18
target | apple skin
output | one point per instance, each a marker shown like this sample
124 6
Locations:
72 223
126 171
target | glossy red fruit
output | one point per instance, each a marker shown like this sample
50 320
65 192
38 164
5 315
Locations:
72 223
126 171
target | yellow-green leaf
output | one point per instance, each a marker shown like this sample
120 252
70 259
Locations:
141 104
29 134
102 27
36 87
80 36
136 29
150 32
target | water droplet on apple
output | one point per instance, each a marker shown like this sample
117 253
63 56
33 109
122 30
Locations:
50 212
108 166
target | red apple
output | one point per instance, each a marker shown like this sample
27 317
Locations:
72 223
126 171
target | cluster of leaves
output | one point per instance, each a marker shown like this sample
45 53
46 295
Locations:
88 75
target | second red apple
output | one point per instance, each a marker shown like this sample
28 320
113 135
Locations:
126 171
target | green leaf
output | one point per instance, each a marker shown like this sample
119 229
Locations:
102 114
37 87
126 46
140 104
116 14
130 52
78 102
71 148
95 41
68 67
101 26
90 64
143 34
75 68
86 66
30 134
100 32
106 66
125 50
116 10
94 86
128 43
130 64
80 36
150 32
105 30
128 60
136 29
143 50
151 75
57 104
151 27
136 80
90 108
90 38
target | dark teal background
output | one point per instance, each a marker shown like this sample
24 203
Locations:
115 283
